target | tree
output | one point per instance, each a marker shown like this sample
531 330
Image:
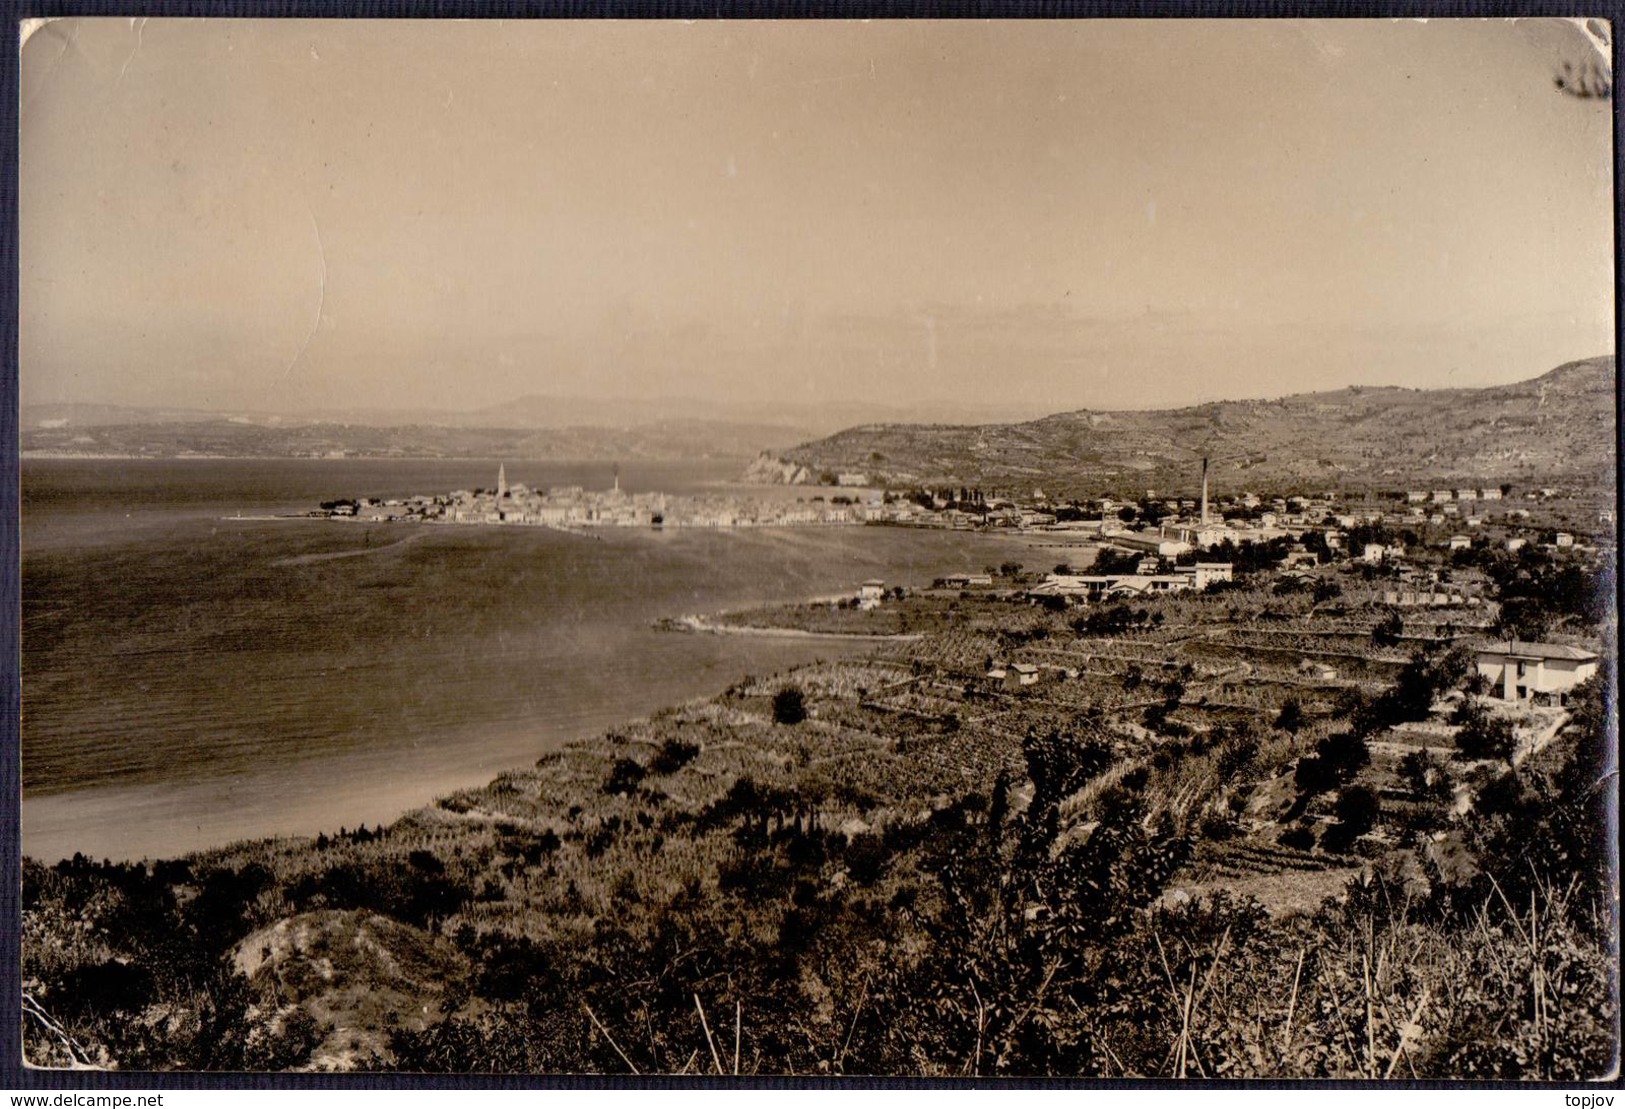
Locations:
1423 679
1425 776
673 755
624 777
1483 736
1327 590
1290 719
1337 758
1524 618
1110 560
1357 811
1388 631
789 706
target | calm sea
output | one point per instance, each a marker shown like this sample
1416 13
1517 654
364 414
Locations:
191 679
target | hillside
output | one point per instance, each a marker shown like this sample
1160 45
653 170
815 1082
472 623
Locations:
1176 846
1559 425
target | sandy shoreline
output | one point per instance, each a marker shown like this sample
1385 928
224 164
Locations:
700 625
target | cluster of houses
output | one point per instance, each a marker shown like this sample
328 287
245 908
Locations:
1428 598
572 507
1446 496
1098 587
1515 671
1167 528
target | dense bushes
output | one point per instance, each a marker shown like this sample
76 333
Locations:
673 755
789 706
1481 735
1336 759
624 776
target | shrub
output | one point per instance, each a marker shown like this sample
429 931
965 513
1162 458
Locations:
1388 630
1357 811
1336 760
1290 718
789 706
1236 755
1327 591
624 777
1483 736
1299 837
673 755
865 857
1425 776
108 987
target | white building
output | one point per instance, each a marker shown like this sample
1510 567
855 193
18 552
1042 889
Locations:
1138 585
1020 674
1149 542
1529 671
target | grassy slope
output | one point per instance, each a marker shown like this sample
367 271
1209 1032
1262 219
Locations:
1557 425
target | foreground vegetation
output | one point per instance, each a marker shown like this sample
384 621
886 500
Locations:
1174 856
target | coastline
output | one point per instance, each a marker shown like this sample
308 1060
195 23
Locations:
702 626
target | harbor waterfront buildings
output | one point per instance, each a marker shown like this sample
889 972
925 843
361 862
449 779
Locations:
1318 525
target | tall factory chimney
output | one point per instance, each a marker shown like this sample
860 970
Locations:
1204 492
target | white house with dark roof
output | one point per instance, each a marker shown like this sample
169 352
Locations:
1521 671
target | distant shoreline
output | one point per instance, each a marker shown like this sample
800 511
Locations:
604 460
700 625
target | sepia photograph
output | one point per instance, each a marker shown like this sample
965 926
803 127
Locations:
875 549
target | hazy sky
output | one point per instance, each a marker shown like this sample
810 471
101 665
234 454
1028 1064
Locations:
297 215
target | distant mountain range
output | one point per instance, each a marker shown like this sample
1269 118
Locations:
244 437
1560 425
529 427
783 423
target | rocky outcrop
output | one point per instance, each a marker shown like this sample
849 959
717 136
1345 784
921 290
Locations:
355 974
765 469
